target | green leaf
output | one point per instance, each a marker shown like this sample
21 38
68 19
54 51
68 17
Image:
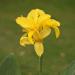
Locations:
9 66
70 70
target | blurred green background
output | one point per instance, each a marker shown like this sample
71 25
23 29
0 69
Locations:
59 53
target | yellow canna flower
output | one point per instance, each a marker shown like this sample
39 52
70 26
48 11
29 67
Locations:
37 26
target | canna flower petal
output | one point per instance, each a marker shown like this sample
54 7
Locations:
40 12
51 23
30 37
37 36
33 16
39 48
45 32
24 22
35 12
54 23
24 40
42 18
57 32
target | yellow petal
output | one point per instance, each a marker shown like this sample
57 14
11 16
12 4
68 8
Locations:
24 22
24 40
34 12
37 36
43 18
57 32
54 23
40 12
33 16
30 37
39 48
45 32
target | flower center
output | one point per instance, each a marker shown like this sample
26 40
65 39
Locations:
37 36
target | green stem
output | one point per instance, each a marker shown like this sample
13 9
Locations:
40 65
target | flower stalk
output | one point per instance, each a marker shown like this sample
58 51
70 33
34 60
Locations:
40 65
